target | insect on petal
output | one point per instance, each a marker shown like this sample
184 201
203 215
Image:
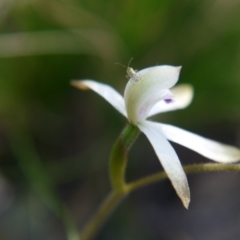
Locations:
152 86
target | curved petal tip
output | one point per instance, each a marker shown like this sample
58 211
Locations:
168 158
105 91
79 84
179 68
184 95
185 198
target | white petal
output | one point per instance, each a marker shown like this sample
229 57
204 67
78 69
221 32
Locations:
168 159
104 90
183 95
146 88
211 149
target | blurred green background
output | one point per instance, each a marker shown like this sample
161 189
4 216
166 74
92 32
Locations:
55 140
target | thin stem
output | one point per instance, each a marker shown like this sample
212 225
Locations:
115 198
112 200
117 167
207 167
118 157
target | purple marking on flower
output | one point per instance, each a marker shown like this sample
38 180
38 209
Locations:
168 100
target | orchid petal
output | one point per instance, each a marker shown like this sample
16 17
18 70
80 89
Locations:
146 88
168 158
211 149
105 91
183 95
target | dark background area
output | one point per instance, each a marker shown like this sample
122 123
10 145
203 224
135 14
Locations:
55 140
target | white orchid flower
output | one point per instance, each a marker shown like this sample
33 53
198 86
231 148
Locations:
146 94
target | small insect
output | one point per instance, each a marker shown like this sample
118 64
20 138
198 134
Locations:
131 73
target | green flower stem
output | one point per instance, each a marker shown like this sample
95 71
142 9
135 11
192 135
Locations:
207 167
118 157
118 162
106 208
115 197
117 168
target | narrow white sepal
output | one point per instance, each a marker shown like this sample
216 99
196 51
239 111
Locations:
211 149
105 91
182 97
168 158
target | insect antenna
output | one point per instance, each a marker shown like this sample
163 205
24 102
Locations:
124 65
129 62
121 65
